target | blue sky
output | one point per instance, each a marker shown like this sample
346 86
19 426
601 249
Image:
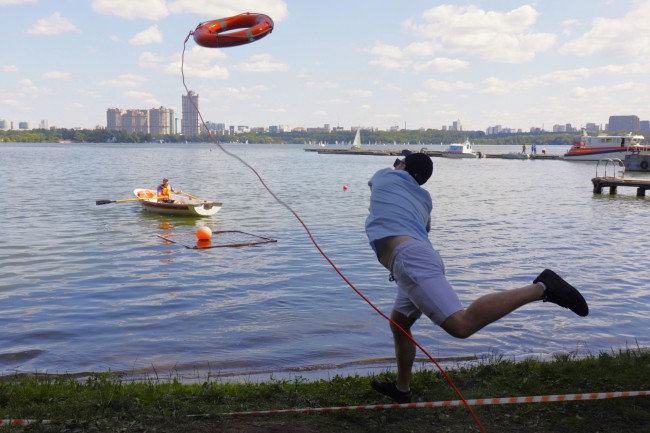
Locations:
369 63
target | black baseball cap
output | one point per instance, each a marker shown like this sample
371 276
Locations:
418 165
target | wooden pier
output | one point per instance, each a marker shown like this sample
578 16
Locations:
614 182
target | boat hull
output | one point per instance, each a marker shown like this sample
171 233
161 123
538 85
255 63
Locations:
458 155
595 154
190 210
182 206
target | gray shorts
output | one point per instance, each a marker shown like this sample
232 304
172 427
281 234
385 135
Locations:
421 284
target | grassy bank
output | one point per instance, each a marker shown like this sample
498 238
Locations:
107 403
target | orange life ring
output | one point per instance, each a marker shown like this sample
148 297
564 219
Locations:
255 26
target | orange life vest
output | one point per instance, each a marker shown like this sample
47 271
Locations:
164 192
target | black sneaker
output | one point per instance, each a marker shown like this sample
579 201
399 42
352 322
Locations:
562 293
389 389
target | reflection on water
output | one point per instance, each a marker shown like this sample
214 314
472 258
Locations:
92 288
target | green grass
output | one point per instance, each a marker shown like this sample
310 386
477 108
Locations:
107 402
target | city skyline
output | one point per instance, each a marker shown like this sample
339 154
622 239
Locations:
417 65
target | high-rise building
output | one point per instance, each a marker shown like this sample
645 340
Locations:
4 125
114 119
644 126
624 123
161 121
190 120
135 121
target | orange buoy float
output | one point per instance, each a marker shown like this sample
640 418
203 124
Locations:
204 233
211 34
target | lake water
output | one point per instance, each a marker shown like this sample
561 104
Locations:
93 288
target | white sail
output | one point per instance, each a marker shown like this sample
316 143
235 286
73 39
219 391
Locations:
356 144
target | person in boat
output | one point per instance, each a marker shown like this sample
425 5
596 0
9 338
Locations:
164 192
398 227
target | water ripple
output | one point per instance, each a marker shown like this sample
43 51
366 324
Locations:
87 288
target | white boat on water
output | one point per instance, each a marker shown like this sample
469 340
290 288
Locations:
462 150
183 205
356 144
595 148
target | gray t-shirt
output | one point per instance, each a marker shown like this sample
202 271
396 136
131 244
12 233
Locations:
398 207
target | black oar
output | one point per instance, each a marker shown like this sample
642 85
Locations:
100 202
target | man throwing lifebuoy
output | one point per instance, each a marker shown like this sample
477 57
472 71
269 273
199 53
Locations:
398 231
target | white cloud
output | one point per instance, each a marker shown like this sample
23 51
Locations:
158 9
53 25
233 93
385 50
446 86
75 106
10 102
129 9
334 101
10 68
262 63
15 2
150 60
608 90
614 36
390 116
388 87
388 63
57 75
144 97
276 9
321 85
149 36
139 95
495 86
28 86
418 97
127 81
568 27
360 93
441 64
198 62
494 36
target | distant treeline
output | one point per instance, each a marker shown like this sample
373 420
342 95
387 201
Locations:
413 137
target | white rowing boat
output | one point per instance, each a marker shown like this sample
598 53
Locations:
183 204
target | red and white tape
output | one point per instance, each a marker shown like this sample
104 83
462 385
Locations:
475 402
444 403
19 422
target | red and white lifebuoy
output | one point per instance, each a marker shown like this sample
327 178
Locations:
254 27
